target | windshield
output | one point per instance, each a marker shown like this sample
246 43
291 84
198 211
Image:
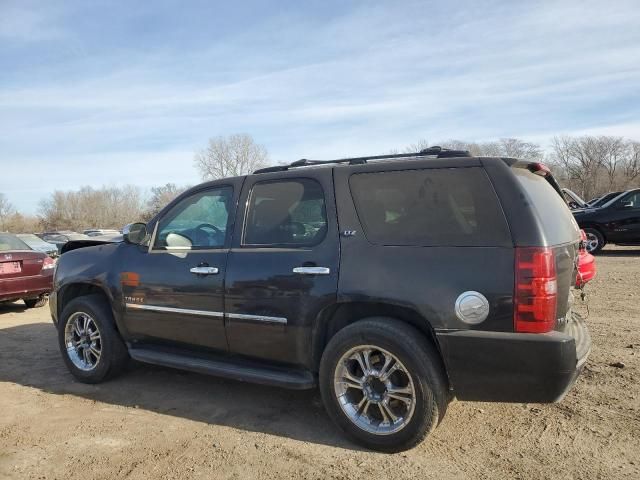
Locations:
11 242
612 200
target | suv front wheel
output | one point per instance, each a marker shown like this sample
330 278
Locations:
382 383
91 347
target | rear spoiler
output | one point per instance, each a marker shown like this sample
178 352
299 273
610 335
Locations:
537 168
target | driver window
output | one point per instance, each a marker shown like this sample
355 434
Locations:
196 222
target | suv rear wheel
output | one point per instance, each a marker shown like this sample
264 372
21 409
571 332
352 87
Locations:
381 382
90 345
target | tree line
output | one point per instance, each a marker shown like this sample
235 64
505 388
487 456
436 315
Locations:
588 165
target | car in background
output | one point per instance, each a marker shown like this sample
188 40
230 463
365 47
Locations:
24 273
572 199
617 221
39 245
96 232
60 239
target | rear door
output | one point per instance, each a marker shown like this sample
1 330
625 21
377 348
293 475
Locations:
283 267
625 218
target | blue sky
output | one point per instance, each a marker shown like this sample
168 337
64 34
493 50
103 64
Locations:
108 93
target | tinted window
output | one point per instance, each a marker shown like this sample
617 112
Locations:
431 207
196 222
632 200
555 217
290 212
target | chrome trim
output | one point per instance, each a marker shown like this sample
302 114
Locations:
187 311
257 318
312 270
204 270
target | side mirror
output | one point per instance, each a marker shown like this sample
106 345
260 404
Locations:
628 204
134 233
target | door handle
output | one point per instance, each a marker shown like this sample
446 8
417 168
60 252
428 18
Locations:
204 270
312 270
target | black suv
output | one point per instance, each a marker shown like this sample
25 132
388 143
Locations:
393 283
617 221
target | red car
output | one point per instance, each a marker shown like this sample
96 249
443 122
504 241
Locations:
24 273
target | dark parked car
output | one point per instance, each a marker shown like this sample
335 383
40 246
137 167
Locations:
617 221
60 239
394 283
24 273
39 245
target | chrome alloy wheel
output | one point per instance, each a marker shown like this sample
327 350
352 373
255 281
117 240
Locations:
83 342
592 242
374 389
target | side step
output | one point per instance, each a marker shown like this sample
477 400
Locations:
227 367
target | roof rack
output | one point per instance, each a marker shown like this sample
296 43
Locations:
435 151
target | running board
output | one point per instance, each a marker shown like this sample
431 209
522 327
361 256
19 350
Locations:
227 367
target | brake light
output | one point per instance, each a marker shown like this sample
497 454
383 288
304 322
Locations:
48 263
539 169
536 290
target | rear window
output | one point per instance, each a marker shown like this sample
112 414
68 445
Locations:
9 242
554 215
430 207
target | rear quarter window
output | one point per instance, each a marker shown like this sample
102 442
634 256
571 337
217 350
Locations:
555 218
430 207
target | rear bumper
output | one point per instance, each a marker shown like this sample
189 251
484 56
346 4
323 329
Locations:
515 367
26 287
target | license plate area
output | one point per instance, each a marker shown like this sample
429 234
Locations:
7 268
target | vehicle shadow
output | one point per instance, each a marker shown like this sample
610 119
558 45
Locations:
12 307
29 356
619 252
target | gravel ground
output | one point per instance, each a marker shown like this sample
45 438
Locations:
160 423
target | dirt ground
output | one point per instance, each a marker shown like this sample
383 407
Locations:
160 423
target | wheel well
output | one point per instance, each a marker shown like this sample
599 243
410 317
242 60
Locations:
76 290
339 316
594 227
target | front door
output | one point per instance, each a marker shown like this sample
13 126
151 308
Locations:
283 267
625 221
174 291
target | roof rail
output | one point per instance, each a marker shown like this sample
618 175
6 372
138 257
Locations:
434 151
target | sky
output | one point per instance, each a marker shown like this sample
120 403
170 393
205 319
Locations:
109 93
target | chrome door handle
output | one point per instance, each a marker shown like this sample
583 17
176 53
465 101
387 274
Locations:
204 270
312 270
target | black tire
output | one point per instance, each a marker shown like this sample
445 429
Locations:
36 302
114 354
423 364
594 235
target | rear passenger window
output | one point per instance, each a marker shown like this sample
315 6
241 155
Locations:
430 207
287 212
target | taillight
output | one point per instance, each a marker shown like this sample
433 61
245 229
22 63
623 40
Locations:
48 263
536 290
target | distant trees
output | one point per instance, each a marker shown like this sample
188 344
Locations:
230 156
107 207
505 147
6 210
592 165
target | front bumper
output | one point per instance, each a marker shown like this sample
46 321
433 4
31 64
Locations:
515 367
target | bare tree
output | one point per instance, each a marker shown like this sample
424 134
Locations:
631 163
160 197
6 211
230 156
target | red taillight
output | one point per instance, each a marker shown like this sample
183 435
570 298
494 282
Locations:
536 290
48 263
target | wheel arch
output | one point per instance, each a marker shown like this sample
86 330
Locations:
594 226
81 289
333 319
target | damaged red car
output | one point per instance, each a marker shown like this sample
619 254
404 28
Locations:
24 273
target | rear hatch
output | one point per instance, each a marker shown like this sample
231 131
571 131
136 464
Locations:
558 229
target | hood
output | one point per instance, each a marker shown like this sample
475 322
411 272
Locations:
93 241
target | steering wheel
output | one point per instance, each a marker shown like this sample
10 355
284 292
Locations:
200 230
